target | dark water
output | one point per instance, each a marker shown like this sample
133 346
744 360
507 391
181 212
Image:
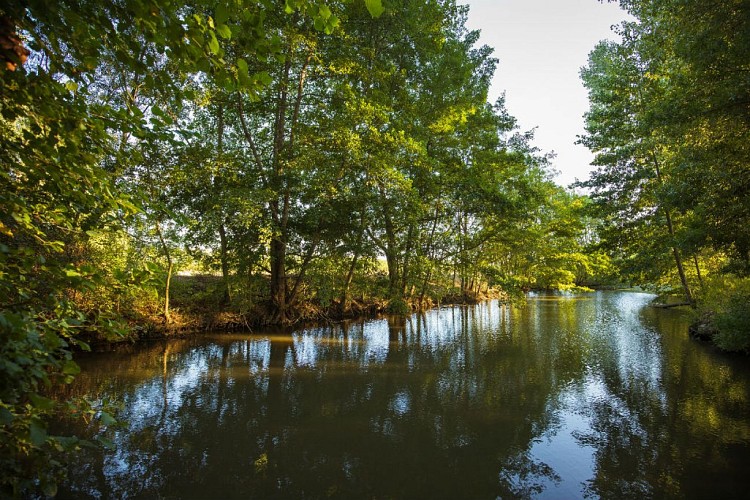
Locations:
580 396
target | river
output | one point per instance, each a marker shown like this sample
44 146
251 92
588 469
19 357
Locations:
572 396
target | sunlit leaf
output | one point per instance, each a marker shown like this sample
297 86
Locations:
375 7
264 78
224 31
213 43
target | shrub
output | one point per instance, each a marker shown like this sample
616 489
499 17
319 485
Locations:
726 298
398 306
733 323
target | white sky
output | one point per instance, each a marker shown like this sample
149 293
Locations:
542 45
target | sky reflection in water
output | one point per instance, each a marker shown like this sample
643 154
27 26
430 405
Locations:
571 396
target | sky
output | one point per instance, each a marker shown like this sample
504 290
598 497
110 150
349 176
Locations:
541 46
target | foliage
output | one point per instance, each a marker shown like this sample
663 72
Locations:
669 122
318 155
725 301
53 194
733 324
398 306
85 86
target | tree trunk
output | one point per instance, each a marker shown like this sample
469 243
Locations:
345 302
391 251
698 269
167 317
407 260
683 277
464 265
226 298
170 267
675 250
278 281
292 296
279 208
423 291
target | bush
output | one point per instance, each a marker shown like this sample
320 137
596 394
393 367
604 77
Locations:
726 298
733 323
398 306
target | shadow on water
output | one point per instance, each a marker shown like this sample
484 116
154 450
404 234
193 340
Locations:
571 396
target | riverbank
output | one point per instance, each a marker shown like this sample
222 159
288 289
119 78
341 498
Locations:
196 307
721 314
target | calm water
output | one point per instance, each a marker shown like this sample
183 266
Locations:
594 395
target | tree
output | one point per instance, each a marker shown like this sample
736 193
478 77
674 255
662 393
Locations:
634 174
62 138
669 118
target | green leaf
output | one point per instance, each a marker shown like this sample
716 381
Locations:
213 44
6 416
264 78
222 13
224 31
229 85
127 205
107 419
106 443
81 344
67 443
152 267
10 367
204 65
41 402
71 368
331 24
242 74
375 7
37 434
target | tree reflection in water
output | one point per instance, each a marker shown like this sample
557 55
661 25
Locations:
569 396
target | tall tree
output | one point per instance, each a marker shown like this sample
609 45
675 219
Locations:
630 185
669 118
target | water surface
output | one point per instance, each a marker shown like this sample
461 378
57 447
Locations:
594 395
